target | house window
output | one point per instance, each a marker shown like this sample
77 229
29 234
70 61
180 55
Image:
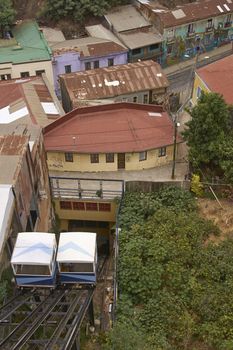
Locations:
94 158
135 99
153 47
199 91
136 51
145 98
162 151
110 158
209 23
91 206
78 206
65 205
40 72
68 69
87 65
5 76
228 21
104 207
69 157
190 28
110 62
96 64
142 156
24 74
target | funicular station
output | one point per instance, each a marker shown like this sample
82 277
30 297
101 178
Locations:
56 274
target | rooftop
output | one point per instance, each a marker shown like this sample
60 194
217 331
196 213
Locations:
134 40
88 47
30 100
114 81
190 12
125 18
218 77
30 45
99 31
119 127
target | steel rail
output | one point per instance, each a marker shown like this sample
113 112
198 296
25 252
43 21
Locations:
8 308
23 323
37 322
63 323
74 329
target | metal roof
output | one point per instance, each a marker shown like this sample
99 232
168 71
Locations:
21 100
31 45
89 47
190 12
114 81
99 31
113 128
125 18
140 39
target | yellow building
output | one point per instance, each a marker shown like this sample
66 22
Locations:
121 136
114 137
215 77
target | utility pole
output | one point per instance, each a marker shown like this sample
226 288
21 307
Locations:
176 124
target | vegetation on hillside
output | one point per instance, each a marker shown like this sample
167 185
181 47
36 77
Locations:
7 15
175 285
209 136
78 10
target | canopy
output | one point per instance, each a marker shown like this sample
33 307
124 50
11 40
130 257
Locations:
34 248
76 247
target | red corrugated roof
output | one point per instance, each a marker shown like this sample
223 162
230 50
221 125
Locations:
119 127
192 12
218 77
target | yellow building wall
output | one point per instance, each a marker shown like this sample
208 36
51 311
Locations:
81 162
198 82
31 67
90 215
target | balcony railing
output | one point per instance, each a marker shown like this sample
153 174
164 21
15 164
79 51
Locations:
190 34
209 29
85 188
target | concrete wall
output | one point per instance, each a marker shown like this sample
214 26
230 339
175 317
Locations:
81 162
31 67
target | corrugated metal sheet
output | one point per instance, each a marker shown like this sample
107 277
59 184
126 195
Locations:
115 80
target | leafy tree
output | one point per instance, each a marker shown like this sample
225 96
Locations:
209 126
7 14
175 286
79 9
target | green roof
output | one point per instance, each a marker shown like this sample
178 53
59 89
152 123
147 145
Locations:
31 45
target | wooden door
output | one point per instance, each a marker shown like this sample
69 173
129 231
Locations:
121 160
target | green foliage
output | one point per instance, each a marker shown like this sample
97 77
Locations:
209 126
7 14
80 9
175 288
196 186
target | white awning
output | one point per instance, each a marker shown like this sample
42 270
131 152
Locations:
34 248
76 247
6 204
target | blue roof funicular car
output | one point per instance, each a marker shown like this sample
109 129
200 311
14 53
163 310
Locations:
33 259
77 257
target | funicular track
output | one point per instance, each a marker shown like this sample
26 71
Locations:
44 319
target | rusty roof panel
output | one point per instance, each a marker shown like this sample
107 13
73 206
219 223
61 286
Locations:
13 144
114 81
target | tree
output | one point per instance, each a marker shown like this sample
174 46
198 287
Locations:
175 285
79 9
209 126
7 14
